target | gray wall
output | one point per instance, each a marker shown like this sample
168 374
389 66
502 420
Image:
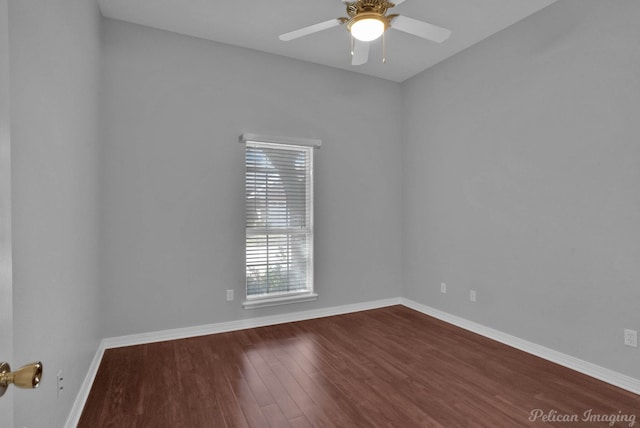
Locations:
517 178
6 289
173 176
54 57
521 173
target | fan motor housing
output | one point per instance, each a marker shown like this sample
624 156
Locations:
369 15
379 7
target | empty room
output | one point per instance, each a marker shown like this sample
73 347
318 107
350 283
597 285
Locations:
318 213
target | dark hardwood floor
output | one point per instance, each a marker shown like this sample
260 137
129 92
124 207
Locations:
390 367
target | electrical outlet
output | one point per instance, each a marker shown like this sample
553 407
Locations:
443 287
59 383
472 295
229 295
631 338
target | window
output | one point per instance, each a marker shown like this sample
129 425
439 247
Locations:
279 220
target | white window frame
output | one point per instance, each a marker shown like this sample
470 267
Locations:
274 299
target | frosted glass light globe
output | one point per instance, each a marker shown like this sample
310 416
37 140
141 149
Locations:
367 30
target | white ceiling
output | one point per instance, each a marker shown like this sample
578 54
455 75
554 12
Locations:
256 24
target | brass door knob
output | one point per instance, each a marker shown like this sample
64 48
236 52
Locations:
25 377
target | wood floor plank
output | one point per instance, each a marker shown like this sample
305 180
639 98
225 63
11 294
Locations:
274 416
322 393
389 367
285 402
315 414
300 422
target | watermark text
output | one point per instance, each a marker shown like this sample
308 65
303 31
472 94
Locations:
586 416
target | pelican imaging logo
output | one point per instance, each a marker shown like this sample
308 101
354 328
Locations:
588 416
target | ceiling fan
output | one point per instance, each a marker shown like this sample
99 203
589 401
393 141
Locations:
368 20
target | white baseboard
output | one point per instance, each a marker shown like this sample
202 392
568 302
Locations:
609 376
85 388
202 330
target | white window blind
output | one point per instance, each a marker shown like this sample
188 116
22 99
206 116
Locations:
279 219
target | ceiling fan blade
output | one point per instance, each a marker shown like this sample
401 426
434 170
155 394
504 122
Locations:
310 30
360 52
420 29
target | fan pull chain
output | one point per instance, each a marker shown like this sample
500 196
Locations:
352 45
384 49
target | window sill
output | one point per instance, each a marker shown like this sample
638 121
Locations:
281 300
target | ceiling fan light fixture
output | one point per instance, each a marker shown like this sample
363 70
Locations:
367 21
367 27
